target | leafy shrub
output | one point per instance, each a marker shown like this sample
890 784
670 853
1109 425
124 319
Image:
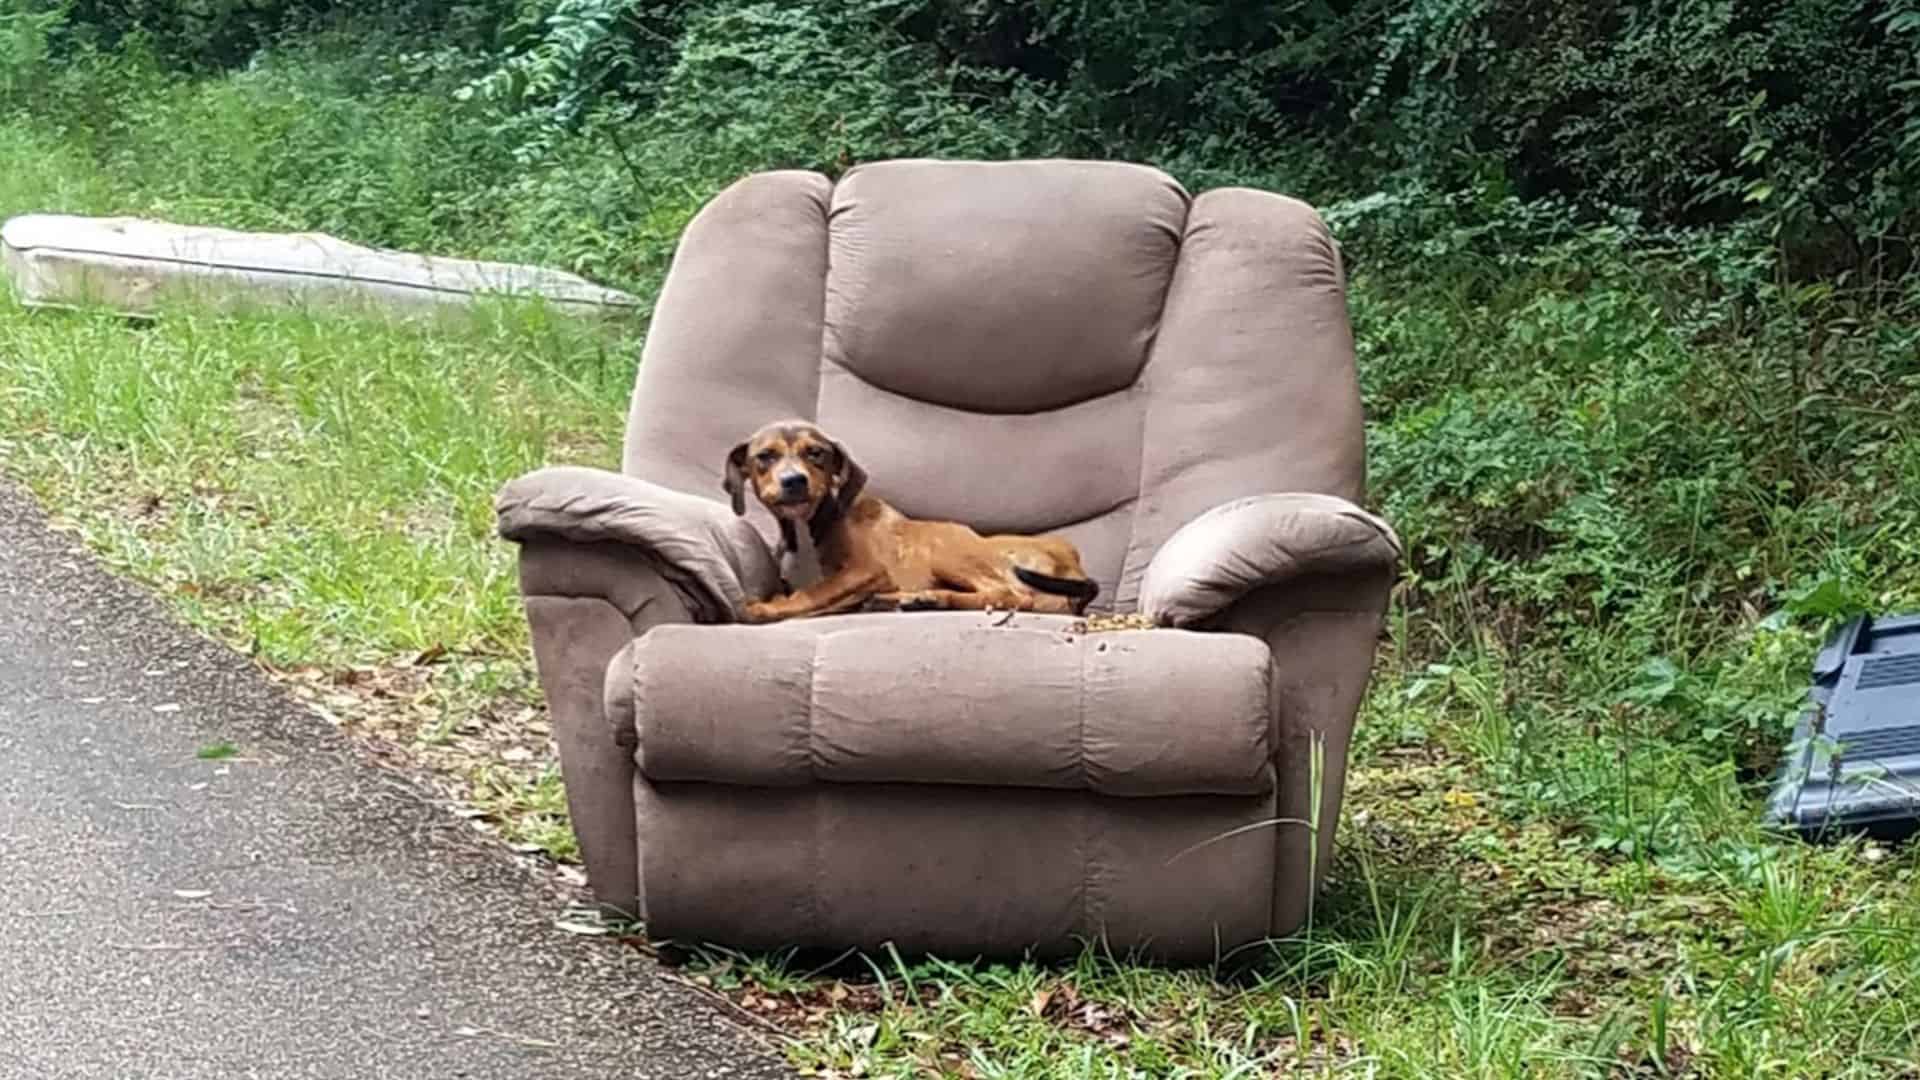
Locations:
1804 114
27 33
213 34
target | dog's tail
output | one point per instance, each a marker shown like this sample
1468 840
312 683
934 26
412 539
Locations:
1080 589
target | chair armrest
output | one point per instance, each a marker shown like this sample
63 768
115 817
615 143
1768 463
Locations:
715 559
1235 548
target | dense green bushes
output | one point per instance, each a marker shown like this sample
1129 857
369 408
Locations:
216 34
1800 114
1606 469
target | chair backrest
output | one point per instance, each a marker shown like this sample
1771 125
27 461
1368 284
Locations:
1025 346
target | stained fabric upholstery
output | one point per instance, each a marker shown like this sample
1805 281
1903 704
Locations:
1167 379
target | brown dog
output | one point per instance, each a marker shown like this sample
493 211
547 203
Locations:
872 557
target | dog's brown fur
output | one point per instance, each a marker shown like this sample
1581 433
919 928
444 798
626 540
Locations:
872 557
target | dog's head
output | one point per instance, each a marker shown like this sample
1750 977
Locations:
793 468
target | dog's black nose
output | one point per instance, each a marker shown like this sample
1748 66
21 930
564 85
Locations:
793 484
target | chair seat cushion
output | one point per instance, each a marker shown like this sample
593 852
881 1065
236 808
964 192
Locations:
948 698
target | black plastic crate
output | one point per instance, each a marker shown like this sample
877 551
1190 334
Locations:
1854 763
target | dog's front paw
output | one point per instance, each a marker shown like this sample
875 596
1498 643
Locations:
899 601
759 611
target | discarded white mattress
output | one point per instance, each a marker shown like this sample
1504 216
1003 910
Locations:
131 265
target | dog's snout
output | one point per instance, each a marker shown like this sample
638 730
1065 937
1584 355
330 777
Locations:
793 483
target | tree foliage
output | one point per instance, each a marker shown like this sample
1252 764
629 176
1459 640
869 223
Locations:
1803 115
1802 112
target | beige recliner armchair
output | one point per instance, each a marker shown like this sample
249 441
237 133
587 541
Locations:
1025 346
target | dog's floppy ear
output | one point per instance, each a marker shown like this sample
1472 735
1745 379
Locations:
848 478
734 480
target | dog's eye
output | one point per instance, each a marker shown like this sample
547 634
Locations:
816 454
766 458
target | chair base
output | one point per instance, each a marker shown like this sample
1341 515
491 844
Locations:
957 871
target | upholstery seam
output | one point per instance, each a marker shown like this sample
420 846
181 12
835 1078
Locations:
1080 719
1275 738
1130 500
826 287
813 699
1146 410
1146 358
1086 842
634 720
819 844
864 381
1294 573
628 615
818 795
1272 727
1098 514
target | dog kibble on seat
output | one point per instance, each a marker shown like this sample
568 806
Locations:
1108 624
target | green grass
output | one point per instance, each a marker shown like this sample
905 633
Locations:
318 493
316 490
1636 483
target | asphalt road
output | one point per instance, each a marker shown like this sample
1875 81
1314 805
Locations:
291 912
